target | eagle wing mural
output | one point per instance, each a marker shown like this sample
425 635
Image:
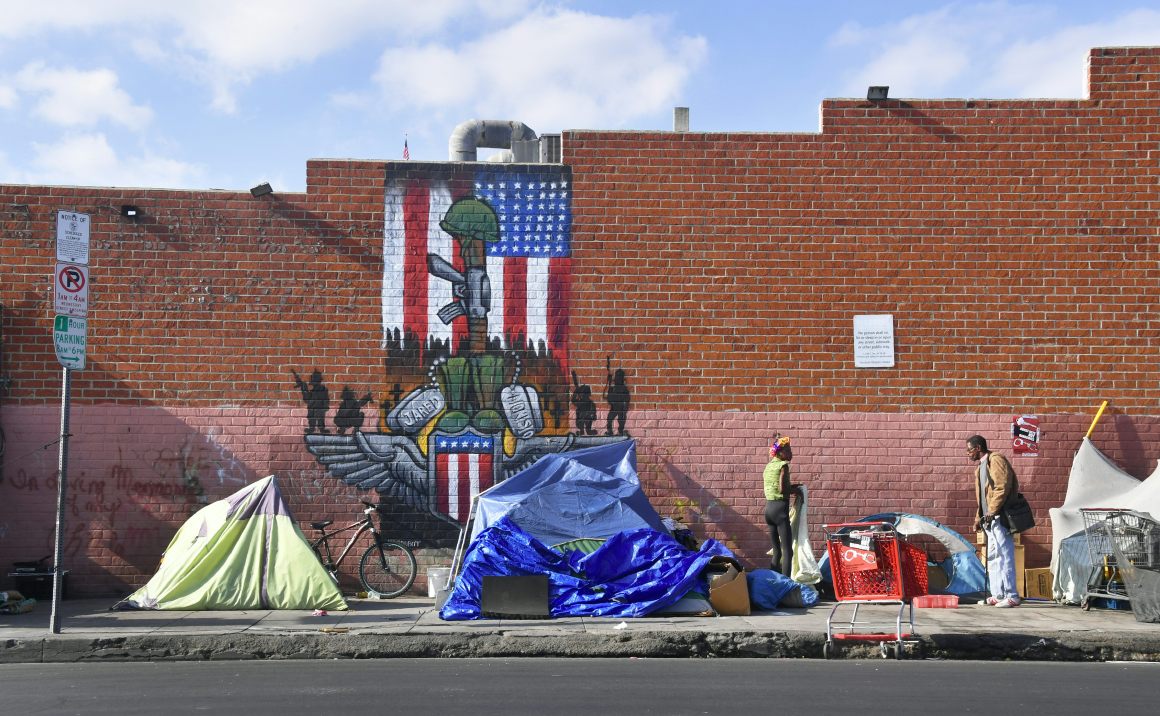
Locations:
389 464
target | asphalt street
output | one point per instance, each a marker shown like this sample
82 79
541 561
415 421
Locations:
563 687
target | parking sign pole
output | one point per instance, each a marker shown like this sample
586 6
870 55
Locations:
69 336
61 483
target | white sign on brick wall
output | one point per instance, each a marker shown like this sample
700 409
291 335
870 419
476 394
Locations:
874 341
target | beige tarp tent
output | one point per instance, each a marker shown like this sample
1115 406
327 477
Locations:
1094 482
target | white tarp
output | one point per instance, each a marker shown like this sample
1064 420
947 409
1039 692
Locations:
805 565
1094 482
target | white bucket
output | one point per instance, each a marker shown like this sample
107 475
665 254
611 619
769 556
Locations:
437 579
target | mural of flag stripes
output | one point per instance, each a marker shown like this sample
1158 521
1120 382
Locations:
528 268
464 466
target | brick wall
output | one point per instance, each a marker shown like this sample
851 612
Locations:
1014 243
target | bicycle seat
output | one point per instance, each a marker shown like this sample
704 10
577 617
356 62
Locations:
322 524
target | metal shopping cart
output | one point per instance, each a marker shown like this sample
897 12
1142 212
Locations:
1135 540
1108 531
873 566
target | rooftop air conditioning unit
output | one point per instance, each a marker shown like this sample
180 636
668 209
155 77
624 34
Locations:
551 149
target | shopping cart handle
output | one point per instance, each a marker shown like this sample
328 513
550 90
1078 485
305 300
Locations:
862 525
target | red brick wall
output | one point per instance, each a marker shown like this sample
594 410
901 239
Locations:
1014 242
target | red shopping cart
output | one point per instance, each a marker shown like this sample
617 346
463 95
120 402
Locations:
871 564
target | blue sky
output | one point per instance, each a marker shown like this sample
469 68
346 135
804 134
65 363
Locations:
225 94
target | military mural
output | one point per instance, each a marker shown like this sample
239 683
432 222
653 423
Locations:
475 319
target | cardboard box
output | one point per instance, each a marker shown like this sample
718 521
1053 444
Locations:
728 589
1037 583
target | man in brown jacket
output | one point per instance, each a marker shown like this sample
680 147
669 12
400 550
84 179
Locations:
994 481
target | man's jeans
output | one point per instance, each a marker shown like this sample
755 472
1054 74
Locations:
1000 561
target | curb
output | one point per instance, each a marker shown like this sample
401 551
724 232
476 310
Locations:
526 644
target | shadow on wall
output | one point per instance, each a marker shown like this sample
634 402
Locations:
135 474
703 511
1135 457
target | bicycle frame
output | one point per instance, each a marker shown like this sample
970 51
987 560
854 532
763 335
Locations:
323 541
386 569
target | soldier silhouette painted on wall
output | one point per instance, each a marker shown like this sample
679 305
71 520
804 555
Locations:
585 407
349 414
317 399
386 404
617 395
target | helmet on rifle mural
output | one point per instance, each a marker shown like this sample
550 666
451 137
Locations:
472 218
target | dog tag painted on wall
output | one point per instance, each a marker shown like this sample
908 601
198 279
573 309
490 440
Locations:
521 406
416 410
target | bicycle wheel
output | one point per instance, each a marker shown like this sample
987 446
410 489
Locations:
387 569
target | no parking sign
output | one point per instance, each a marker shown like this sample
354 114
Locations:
71 289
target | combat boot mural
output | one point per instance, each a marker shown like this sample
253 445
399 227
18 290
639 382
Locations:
476 277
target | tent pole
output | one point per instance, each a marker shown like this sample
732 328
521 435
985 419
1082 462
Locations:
1099 413
462 541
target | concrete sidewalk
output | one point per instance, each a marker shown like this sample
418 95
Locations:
410 627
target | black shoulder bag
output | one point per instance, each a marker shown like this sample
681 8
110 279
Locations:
1016 513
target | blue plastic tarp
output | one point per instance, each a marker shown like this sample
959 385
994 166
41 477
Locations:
591 493
633 574
769 590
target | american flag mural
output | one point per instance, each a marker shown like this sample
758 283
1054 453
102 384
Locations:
463 466
528 267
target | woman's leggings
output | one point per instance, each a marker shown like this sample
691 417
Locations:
777 517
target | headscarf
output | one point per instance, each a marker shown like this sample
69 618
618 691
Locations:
779 442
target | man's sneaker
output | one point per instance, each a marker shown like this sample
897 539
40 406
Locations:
1008 602
992 601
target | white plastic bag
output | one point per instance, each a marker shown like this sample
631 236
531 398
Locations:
805 566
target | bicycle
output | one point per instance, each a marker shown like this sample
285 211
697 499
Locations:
386 569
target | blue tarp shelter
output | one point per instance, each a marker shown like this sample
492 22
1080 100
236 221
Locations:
633 574
592 493
589 494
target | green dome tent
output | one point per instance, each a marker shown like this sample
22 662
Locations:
242 552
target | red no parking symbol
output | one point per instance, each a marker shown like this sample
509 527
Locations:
72 290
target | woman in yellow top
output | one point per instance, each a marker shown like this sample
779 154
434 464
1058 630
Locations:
777 491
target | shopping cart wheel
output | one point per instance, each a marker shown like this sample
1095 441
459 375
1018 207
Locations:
1085 604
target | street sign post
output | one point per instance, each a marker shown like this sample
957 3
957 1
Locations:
69 335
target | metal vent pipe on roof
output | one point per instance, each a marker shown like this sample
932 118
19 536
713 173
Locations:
475 133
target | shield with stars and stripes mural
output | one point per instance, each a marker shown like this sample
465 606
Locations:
461 467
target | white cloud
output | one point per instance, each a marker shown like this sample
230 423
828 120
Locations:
8 97
1054 66
991 49
225 44
559 69
73 98
930 54
89 160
